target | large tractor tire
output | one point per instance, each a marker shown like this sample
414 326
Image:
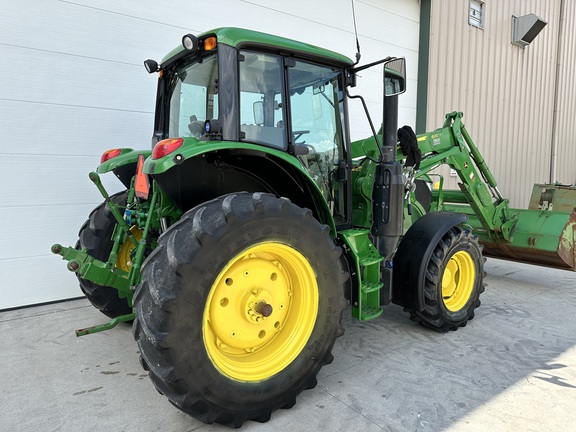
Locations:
96 236
453 282
239 307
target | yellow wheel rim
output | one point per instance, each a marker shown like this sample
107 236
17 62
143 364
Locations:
458 281
260 312
124 259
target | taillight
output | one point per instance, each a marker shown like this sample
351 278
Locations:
165 147
110 154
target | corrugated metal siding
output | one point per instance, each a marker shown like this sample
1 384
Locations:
565 170
505 92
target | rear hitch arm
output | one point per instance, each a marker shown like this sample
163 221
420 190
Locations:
103 327
95 178
92 269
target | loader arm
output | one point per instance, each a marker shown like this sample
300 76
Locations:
478 194
537 236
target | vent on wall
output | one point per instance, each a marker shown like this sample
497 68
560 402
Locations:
525 29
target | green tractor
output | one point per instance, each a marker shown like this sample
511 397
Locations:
254 221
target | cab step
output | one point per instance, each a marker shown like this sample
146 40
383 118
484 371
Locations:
366 302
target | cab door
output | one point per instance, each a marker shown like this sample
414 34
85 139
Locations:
316 110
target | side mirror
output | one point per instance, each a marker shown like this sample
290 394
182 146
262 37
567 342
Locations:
394 76
258 109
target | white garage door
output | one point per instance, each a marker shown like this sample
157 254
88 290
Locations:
73 86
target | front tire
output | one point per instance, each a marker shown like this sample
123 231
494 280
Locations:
239 307
453 282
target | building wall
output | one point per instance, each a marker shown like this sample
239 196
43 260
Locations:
564 150
74 86
506 92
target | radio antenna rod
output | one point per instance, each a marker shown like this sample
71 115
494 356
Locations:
356 33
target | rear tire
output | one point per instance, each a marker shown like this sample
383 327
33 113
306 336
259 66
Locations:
95 235
453 282
239 307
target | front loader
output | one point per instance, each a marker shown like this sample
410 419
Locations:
241 236
544 234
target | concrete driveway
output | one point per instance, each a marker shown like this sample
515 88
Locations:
513 368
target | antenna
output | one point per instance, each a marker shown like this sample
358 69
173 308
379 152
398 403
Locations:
358 55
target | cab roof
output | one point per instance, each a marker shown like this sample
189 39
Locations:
242 38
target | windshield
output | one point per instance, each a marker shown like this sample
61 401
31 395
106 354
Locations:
193 98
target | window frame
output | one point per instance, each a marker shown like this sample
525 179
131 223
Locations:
473 7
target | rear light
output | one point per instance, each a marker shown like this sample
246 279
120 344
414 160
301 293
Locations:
110 154
165 147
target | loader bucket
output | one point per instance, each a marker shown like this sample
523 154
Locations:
553 197
538 237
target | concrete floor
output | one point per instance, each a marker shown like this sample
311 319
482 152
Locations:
513 368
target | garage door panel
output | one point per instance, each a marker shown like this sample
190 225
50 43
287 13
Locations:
35 280
41 180
71 29
68 80
49 129
49 225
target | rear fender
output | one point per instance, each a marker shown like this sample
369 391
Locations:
414 252
199 171
124 165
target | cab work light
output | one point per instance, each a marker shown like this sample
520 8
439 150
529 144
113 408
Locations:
190 42
151 66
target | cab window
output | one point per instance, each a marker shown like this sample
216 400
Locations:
261 104
193 98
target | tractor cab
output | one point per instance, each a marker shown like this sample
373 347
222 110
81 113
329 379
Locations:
233 87
243 87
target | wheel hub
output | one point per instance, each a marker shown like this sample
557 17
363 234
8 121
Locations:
264 309
458 281
260 312
257 308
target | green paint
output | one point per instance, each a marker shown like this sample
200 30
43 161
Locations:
92 269
241 38
103 327
366 301
423 60
192 147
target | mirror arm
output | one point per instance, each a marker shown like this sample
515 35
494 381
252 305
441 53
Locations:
369 65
